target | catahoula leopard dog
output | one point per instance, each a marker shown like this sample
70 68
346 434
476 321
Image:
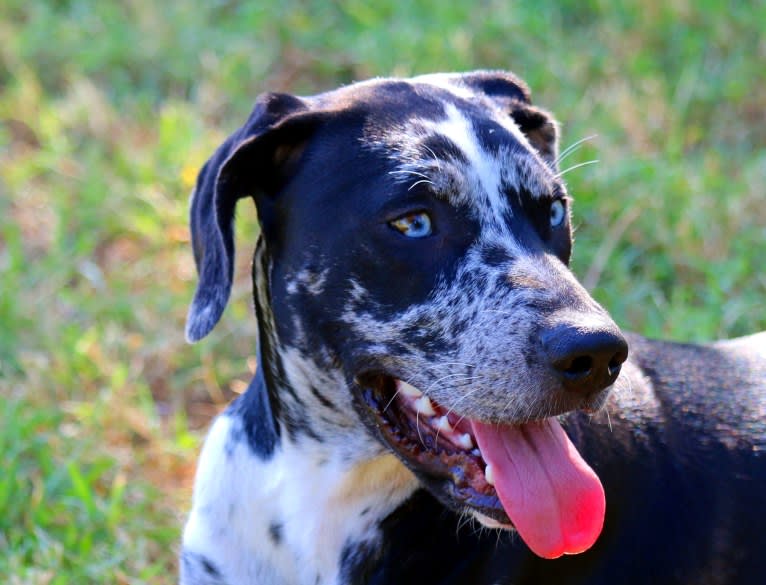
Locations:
437 398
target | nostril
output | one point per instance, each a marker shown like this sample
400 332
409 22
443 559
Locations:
579 367
615 364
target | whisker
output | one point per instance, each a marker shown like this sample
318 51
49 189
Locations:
409 172
572 147
417 426
465 378
577 166
459 400
433 154
416 183
392 400
442 364
461 378
499 537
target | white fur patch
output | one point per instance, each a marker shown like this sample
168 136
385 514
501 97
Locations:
316 499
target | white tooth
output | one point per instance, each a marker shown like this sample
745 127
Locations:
465 441
423 406
489 475
443 425
408 389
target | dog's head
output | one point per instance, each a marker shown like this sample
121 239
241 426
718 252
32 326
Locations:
412 274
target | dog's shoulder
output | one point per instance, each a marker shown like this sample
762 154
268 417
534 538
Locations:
713 395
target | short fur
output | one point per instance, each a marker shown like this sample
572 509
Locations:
296 486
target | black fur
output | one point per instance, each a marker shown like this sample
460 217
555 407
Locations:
682 456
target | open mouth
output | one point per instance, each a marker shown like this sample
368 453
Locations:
528 476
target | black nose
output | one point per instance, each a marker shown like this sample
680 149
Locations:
587 359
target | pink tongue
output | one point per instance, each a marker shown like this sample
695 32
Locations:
554 499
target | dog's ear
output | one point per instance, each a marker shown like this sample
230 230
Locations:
254 160
540 128
513 95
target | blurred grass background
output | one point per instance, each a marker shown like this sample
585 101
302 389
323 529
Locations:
107 109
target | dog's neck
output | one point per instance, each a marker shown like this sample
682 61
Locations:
305 511
312 492
300 389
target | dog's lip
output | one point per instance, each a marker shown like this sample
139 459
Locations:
556 501
434 443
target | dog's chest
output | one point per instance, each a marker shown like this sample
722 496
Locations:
298 517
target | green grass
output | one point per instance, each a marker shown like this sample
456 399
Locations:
108 108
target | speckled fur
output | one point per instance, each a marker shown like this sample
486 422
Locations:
293 487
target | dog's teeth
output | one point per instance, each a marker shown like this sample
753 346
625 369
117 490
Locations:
443 425
489 475
423 406
465 441
408 389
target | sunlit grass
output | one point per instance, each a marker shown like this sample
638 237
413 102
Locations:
106 112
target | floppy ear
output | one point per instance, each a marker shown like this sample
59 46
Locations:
513 95
540 128
249 162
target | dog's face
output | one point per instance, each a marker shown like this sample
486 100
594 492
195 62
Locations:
412 275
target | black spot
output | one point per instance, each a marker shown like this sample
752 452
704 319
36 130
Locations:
365 511
258 423
459 327
387 104
501 281
358 561
465 279
197 568
495 255
443 148
498 84
297 422
275 533
323 399
236 435
493 137
209 567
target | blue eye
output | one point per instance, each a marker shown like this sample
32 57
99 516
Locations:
558 213
413 225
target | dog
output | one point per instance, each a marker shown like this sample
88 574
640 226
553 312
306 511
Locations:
437 399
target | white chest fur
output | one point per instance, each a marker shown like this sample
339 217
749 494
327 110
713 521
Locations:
287 519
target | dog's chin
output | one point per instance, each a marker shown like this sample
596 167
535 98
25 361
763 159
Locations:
436 444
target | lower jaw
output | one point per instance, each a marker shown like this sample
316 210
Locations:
490 522
556 498
455 478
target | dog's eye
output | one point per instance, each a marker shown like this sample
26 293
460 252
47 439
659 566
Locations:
558 213
413 225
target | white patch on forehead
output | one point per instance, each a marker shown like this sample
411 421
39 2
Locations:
446 81
512 167
458 129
